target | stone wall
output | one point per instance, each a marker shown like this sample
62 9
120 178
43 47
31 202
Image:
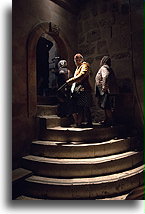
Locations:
104 28
137 20
26 15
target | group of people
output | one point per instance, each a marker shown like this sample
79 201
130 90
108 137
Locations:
78 90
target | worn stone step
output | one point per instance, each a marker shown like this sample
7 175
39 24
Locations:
97 133
116 198
136 194
84 188
87 167
45 110
20 174
56 149
47 100
18 177
23 197
121 197
51 121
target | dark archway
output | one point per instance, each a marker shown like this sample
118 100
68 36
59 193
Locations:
38 30
42 65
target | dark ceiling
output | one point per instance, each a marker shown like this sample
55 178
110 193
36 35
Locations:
72 6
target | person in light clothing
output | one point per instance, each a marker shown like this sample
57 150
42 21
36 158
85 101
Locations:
106 89
63 72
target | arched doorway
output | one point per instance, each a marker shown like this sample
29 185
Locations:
47 58
49 30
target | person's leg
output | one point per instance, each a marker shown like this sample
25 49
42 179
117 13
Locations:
105 121
78 117
87 114
75 116
109 116
108 111
104 107
106 116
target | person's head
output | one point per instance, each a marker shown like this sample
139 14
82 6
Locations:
105 61
78 59
62 64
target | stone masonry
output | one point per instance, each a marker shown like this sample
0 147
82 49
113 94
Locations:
105 29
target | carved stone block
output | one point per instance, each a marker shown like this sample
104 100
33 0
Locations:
53 28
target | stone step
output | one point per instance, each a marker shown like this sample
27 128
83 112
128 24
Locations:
47 100
51 121
18 177
136 194
87 167
45 110
116 198
84 188
20 174
121 197
95 134
56 149
23 197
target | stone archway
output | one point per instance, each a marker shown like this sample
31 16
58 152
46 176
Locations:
39 29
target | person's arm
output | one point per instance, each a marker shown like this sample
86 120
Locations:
69 73
84 72
105 75
98 78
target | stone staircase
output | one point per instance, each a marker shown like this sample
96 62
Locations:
81 163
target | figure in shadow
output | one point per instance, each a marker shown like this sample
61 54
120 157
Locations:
106 90
63 94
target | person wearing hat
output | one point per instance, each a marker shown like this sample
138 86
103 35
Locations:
106 90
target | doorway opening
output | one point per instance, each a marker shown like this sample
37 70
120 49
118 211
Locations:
51 34
47 58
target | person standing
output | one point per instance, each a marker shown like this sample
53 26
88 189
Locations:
81 92
63 72
63 95
106 90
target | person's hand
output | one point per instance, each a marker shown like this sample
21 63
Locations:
69 82
104 89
